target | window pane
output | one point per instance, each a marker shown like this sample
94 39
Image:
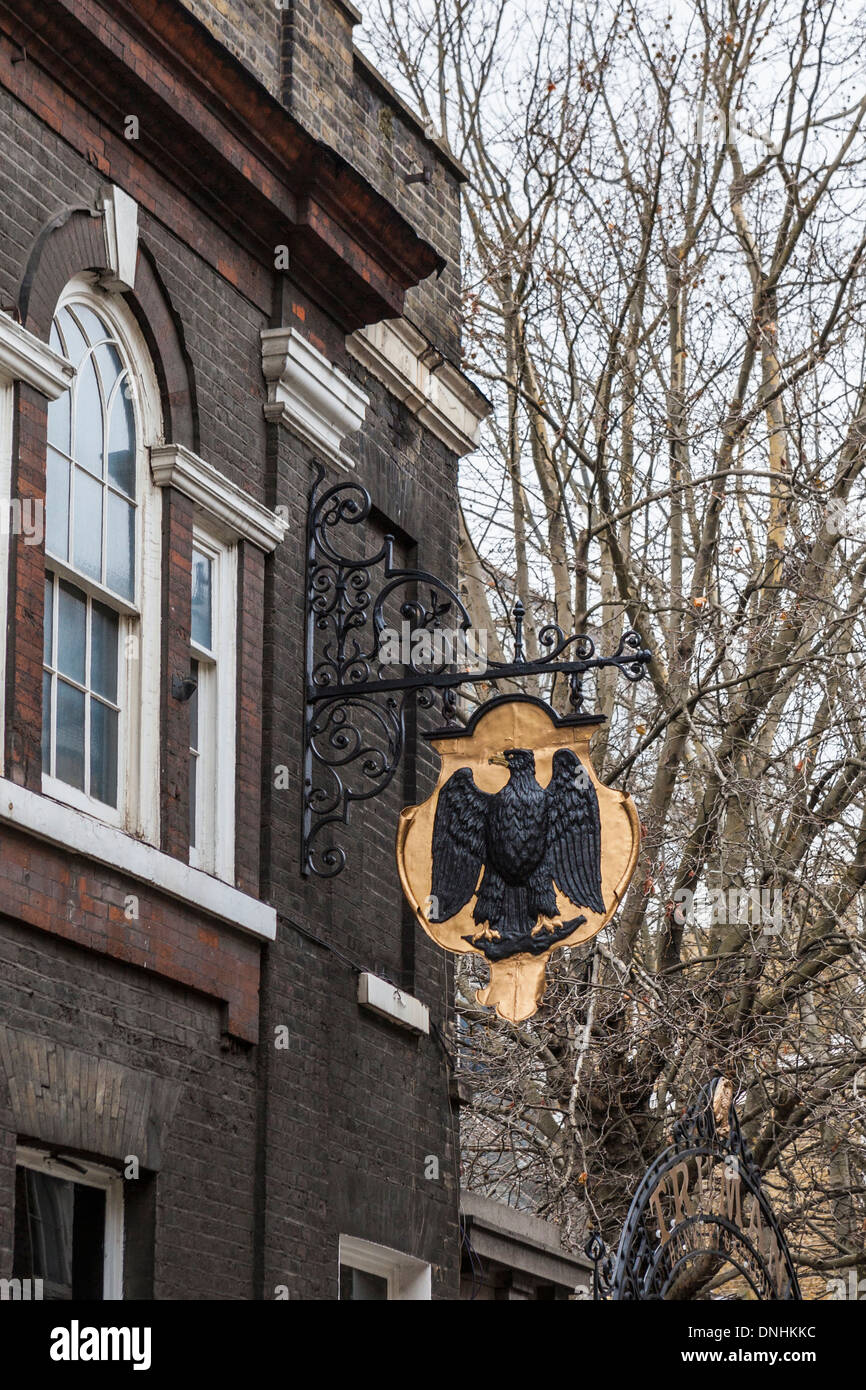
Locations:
48 621
71 632
121 441
103 753
58 421
69 763
57 505
120 567
92 325
103 652
46 722
109 367
87 537
76 345
202 625
59 1235
44 1218
88 421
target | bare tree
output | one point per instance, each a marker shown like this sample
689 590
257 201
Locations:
664 260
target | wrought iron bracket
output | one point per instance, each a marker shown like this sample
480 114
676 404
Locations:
356 689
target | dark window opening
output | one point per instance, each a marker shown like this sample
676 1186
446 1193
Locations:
357 1284
59 1235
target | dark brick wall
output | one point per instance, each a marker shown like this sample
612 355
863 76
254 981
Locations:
248 802
109 1009
381 1094
272 1152
174 808
303 52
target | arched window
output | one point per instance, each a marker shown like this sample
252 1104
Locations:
102 566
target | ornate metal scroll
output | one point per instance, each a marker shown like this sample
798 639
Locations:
356 692
700 1224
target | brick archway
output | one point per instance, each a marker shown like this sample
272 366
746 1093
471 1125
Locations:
73 242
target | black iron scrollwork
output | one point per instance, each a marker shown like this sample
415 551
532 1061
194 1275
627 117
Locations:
700 1224
357 686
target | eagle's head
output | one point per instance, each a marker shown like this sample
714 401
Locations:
517 760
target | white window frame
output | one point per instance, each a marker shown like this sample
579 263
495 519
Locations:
7 400
217 713
92 1175
409 1279
137 811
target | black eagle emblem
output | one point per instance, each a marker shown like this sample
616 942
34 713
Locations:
521 841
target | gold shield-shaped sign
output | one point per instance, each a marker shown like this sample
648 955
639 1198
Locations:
520 849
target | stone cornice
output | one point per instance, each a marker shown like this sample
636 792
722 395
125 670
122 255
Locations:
173 465
200 109
308 394
444 400
24 357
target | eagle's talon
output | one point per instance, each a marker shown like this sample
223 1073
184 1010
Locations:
548 924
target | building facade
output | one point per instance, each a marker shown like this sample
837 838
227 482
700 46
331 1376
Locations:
229 257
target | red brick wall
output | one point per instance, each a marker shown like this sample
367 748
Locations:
104 910
26 599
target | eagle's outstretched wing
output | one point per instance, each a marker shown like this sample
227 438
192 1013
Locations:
574 832
458 844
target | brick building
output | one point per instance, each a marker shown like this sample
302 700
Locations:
217 271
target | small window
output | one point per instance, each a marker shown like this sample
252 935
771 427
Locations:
371 1272
68 1228
212 706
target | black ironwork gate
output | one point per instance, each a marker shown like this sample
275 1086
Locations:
700 1225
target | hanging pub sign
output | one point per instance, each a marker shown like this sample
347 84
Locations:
520 849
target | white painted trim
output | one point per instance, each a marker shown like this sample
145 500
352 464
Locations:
408 1278
24 357
74 796
217 764
111 1183
392 1003
79 833
218 499
7 398
120 225
443 399
309 395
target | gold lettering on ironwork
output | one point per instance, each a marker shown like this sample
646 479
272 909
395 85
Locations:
733 1197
